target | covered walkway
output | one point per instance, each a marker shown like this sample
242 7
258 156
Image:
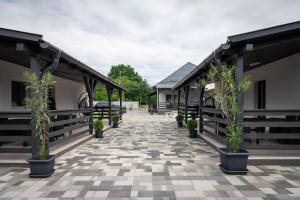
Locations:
148 157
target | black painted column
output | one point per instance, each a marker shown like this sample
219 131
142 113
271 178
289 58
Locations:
186 91
90 85
240 96
201 92
34 68
120 99
178 100
157 95
109 90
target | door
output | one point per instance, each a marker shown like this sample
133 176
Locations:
260 94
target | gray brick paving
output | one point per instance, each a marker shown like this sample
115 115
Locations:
148 157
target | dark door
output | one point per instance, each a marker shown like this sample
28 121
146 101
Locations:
260 94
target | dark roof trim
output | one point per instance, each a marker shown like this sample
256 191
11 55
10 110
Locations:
265 32
20 35
240 38
39 39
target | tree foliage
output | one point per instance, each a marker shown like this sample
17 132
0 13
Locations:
226 97
39 104
137 87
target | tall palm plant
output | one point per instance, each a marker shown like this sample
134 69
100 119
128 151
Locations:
39 105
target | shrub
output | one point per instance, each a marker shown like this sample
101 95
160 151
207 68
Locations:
115 118
98 125
179 118
192 124
193 116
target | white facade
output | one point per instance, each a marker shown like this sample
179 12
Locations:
193 96
282 84
66 91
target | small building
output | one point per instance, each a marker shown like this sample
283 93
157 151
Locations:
270 110
70 99
166 98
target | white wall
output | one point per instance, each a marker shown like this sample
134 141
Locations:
282 84
67 91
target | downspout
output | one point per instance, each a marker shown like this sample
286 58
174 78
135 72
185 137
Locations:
56 58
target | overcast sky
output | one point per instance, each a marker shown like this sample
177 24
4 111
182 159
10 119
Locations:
155 37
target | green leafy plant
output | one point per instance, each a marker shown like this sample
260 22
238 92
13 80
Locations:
98 124
193 116
179 118
38 102
227 98
192 124
115 118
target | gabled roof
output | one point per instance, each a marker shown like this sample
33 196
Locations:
176 76
287 34
36 41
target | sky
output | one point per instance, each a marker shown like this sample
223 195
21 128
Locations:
155 37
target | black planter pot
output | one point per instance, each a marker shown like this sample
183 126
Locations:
42 168
98 133
233 163
115 125
193 133
180 124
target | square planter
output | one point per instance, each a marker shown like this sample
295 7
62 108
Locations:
180 124
193 133
233 163
98 133
115 125
42 168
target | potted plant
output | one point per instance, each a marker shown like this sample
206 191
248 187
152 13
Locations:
41 165
179 119
233 159
98 126
192 127
115 120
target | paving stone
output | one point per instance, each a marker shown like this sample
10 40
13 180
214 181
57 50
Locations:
148 157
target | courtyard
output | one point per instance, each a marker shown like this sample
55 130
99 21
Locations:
148 157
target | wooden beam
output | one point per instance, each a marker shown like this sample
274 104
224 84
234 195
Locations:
89 89
109 90
186 91
201 91
239 72
120 99
178 99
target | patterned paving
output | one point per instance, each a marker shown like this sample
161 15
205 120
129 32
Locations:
148 158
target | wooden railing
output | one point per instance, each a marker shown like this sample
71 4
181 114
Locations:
64 122
103 112
262 129
272 129
15 127
166 106
192 109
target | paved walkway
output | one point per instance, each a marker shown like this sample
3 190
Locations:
148 158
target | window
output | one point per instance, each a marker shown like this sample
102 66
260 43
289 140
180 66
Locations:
18 93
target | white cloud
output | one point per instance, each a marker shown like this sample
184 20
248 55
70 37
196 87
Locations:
156 37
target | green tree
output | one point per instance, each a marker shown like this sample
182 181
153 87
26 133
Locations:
137 87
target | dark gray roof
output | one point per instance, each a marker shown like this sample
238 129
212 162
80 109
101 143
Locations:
235 44
176 76
37 41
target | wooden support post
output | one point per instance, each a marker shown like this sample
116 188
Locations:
201 92
178 100
35 68
157 106
120 99
90 88
149 103
240 96
186 91
109 90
